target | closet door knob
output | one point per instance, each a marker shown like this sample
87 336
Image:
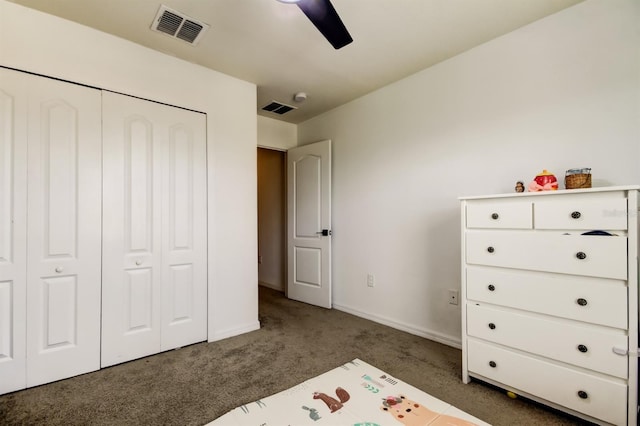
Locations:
582 394
576 215
582 348
495 216
492 326
582 302
490 249
59 269
491 287
581 255
492 364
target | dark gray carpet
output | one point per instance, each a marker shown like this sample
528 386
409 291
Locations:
196 384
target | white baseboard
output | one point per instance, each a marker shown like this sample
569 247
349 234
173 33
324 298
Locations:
454 342
224 334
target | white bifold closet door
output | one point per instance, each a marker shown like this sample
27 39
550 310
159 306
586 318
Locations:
154 277
13 231
50 227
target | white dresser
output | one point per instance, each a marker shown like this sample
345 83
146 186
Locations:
548 312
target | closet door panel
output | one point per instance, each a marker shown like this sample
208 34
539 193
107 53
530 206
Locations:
184 247
131 293
138 296
64 224
58 302
13 229
138 186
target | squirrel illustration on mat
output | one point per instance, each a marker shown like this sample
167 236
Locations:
333 404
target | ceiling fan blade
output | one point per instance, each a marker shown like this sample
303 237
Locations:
326 19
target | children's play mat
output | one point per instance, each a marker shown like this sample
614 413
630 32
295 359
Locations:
354 394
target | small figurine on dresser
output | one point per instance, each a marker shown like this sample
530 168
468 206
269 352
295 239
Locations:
519 186
544 181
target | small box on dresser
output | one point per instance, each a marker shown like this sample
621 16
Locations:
548 312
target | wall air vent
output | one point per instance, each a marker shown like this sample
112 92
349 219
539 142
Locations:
178 25
278 108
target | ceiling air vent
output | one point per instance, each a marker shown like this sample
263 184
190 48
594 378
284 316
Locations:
178 25
278 108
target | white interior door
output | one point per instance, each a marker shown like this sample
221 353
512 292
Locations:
309 223
13 230
154 228
64 225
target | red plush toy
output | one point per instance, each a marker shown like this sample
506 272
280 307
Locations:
544 181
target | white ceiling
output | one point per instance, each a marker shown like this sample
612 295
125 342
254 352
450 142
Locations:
275 46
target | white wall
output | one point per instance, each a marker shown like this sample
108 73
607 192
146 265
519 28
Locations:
276 134
561 93
62 49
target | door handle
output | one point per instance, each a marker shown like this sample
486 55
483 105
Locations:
324 232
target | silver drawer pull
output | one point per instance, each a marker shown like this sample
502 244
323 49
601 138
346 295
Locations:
138 262
59 269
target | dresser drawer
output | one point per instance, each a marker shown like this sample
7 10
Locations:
584 346
592 395
500 214
585 212
593 300
596 256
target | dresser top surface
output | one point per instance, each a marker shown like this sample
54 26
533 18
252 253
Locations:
552 193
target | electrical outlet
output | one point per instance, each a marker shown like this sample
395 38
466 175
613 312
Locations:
371 281
453 297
